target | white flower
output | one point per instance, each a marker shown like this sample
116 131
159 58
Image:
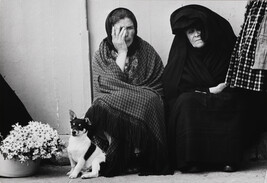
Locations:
33 141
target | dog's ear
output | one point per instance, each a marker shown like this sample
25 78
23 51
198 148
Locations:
88 121
72 115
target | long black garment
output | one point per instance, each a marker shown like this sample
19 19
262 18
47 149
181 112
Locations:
12 109
203 128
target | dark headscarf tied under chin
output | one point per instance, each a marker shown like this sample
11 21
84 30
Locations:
219 39
112 18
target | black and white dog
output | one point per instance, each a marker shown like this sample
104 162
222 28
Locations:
83 154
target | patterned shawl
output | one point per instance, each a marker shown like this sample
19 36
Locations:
128 106
241 73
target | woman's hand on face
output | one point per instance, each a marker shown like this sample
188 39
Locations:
118 39
218 89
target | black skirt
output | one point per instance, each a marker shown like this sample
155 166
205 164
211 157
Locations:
209 128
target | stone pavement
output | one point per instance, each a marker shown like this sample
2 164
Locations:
252 172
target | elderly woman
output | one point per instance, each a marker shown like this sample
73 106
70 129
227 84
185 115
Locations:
202 112
128 105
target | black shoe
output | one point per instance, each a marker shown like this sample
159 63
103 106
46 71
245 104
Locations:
191 169
132 170
195 169
134 164
229 168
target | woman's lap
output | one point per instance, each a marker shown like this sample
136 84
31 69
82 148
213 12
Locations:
129 133
205 128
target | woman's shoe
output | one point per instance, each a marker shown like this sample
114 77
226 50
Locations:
191 169
132 170
229 168
194 169
134 164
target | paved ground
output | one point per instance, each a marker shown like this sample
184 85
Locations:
253 172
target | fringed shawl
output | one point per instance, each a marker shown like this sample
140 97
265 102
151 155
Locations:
128 106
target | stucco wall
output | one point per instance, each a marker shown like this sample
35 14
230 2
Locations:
44 57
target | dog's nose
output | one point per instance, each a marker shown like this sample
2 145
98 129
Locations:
73 133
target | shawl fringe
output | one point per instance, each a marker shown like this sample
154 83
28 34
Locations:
127 134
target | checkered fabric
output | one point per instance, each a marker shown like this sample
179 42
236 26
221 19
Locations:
240 73
128 105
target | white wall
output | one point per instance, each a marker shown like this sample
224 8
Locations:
44 57
153 17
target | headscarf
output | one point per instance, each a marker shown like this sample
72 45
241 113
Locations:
112 18
208 65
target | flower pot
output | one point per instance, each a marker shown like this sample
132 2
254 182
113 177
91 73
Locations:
14 168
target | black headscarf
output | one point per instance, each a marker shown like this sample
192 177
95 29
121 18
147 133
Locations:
204 67
113 17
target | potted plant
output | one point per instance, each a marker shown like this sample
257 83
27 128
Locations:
25 146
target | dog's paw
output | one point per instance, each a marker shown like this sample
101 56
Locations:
69 173
73 175
89 175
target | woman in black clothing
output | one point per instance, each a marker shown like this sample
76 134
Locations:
203 114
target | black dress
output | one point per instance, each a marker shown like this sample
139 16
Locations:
203 128
12 109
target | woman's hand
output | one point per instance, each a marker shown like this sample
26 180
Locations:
218 89
118 39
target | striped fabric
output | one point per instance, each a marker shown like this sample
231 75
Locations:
240 73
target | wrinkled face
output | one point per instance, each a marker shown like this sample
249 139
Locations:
78 127
129 27
194 37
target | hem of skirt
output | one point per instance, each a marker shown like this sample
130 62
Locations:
132 131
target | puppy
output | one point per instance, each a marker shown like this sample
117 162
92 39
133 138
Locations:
83 154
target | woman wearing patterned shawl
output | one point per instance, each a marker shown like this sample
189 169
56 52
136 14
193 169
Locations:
203 118
247 71
127 102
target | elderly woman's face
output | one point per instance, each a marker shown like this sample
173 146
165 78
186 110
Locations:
129 27
194 37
